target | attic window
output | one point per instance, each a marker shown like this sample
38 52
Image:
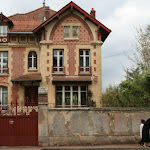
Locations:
67 32
71 32
22 38
3 30
32 38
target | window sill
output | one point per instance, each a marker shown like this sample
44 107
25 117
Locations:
32 70
4 74
71 39
84 74
70 108
58 73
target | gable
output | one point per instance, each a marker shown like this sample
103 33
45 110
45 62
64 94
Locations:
84 32
72 6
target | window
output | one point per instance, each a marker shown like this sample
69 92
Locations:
3 30
84 61
23 38
3 62
32 38
3 96
71 95
32 60
58 61
71 32
67 32
75 32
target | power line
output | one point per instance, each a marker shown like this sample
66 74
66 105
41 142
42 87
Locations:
116 54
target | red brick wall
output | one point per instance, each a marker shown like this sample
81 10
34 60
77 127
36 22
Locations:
71 60
17 69
18 61
85 34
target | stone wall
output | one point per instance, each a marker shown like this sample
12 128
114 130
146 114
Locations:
90 126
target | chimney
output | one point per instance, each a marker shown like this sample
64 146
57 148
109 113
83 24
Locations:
47 12
92 13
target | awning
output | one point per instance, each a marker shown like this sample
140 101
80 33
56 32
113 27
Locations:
71 79
28 77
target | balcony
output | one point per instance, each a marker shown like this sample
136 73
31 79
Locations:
85 70
58 70
4 71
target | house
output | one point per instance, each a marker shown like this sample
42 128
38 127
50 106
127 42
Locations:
53 57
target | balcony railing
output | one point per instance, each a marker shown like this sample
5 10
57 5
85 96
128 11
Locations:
29 102
57 69
83 69
4 70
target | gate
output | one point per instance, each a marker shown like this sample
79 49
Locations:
19 126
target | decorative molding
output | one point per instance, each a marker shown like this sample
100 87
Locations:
96 42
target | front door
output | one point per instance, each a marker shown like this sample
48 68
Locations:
31 95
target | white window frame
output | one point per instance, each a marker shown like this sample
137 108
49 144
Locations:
84 59
71 95
3 70
58 56
2 30
1 96
32 60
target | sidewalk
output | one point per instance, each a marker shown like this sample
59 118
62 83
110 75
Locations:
97 147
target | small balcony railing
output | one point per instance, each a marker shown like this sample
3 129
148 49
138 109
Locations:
29 102
57 69
4 70
83 69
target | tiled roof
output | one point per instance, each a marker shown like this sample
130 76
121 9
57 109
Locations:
29 21
72 78
28 77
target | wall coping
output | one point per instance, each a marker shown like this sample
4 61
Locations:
101 109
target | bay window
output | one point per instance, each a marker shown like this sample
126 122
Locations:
71 95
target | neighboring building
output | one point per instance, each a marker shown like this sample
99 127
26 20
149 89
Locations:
58 53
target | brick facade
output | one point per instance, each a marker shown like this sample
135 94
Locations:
71 61
17 61
57 34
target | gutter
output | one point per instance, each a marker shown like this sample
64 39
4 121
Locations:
20 32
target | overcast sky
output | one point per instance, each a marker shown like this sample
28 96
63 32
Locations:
121 16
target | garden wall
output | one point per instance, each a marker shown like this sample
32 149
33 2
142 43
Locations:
87 126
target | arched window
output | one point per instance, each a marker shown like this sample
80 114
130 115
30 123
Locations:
3 96
32 60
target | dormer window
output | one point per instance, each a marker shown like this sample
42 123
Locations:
3 30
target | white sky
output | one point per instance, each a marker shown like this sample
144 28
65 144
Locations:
121 16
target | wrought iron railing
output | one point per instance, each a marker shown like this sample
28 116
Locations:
4 70
85 69
57 69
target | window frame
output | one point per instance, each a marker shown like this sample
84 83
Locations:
34 66
79 91
58 68
85 68
2 57
2 30
1 97
71 36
